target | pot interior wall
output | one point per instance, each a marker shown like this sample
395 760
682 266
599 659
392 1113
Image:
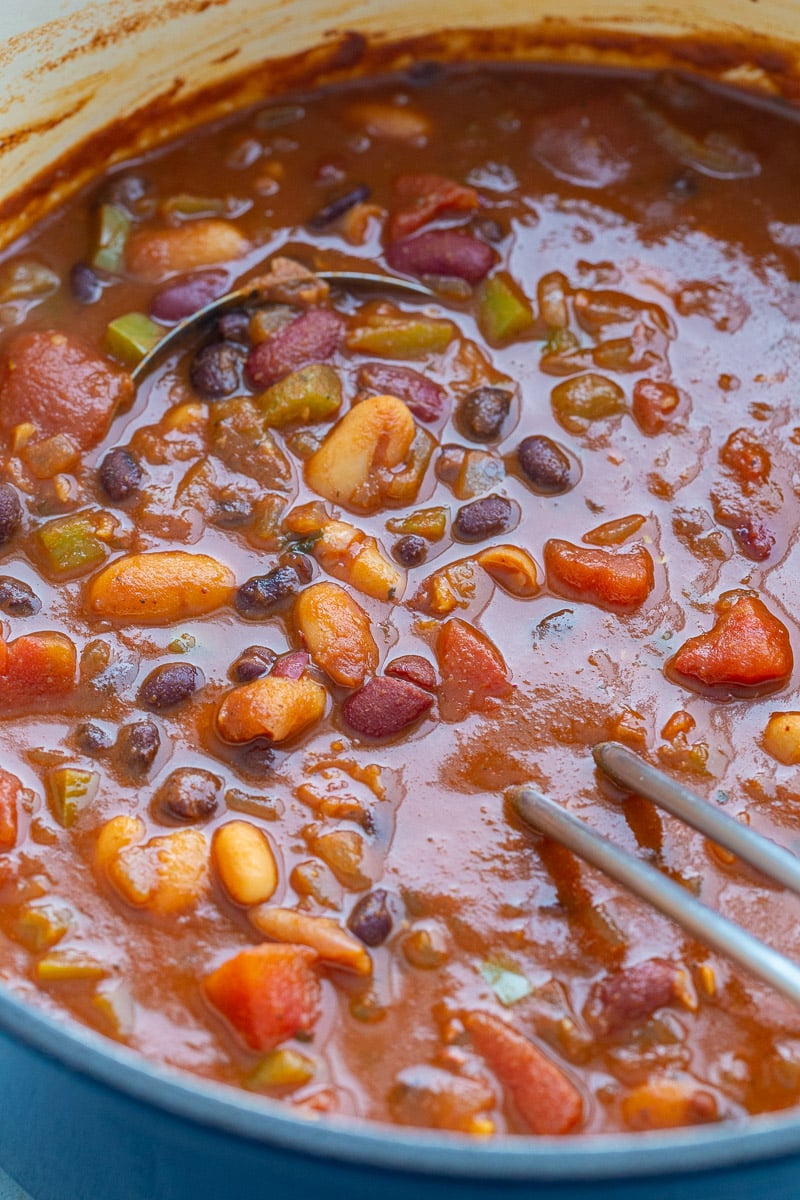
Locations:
73 70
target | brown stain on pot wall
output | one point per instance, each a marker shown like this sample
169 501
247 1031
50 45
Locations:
745 59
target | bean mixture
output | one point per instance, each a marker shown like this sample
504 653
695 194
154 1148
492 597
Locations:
283 621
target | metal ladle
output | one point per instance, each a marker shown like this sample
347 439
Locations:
256 291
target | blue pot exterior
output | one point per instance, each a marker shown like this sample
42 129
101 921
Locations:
82 1121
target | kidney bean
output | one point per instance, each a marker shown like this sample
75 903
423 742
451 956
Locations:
183 297
755 539
84 284
18 599
370 919
482 413
91 739
10 512
337 208
188 794
252 663
170 684
120 474
546 467
442 252
215 370
261 595
410 550
426 399
630 996
311 337
385 706
292 665
483 518
414 669
137 745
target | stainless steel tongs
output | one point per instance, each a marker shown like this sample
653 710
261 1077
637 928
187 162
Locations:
632 773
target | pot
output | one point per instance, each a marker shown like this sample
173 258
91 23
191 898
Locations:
82 1118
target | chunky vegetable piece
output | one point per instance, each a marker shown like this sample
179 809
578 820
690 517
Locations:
472 669
613 580
267 993
747 649
546 1098
59 384
10 789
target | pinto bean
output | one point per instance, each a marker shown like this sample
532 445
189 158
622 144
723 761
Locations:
337 632
426 399
262 594
183 297
545 465
170 684
120 474
188 794
410 550
271 707
630 996
252 663
442 252
385 706
10 513
152 254
482 413
137 746
483 518
215 370
18 599
312 337
160 587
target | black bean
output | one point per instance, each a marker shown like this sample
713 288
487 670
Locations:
259 596
120 474
481 414
410 550
91 739
371 920
234 326
298 562
483 518
10 512
545 465
252 663
256 758
338 207
216 370
137 745
18 599
170 684
84 283
188 794
489 229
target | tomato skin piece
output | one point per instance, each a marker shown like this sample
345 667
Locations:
10 788
472 670
37 665
747 650
268 993
423 197
545 1096
616 581
60 385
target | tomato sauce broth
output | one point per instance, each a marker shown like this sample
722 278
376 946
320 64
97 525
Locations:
644 230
